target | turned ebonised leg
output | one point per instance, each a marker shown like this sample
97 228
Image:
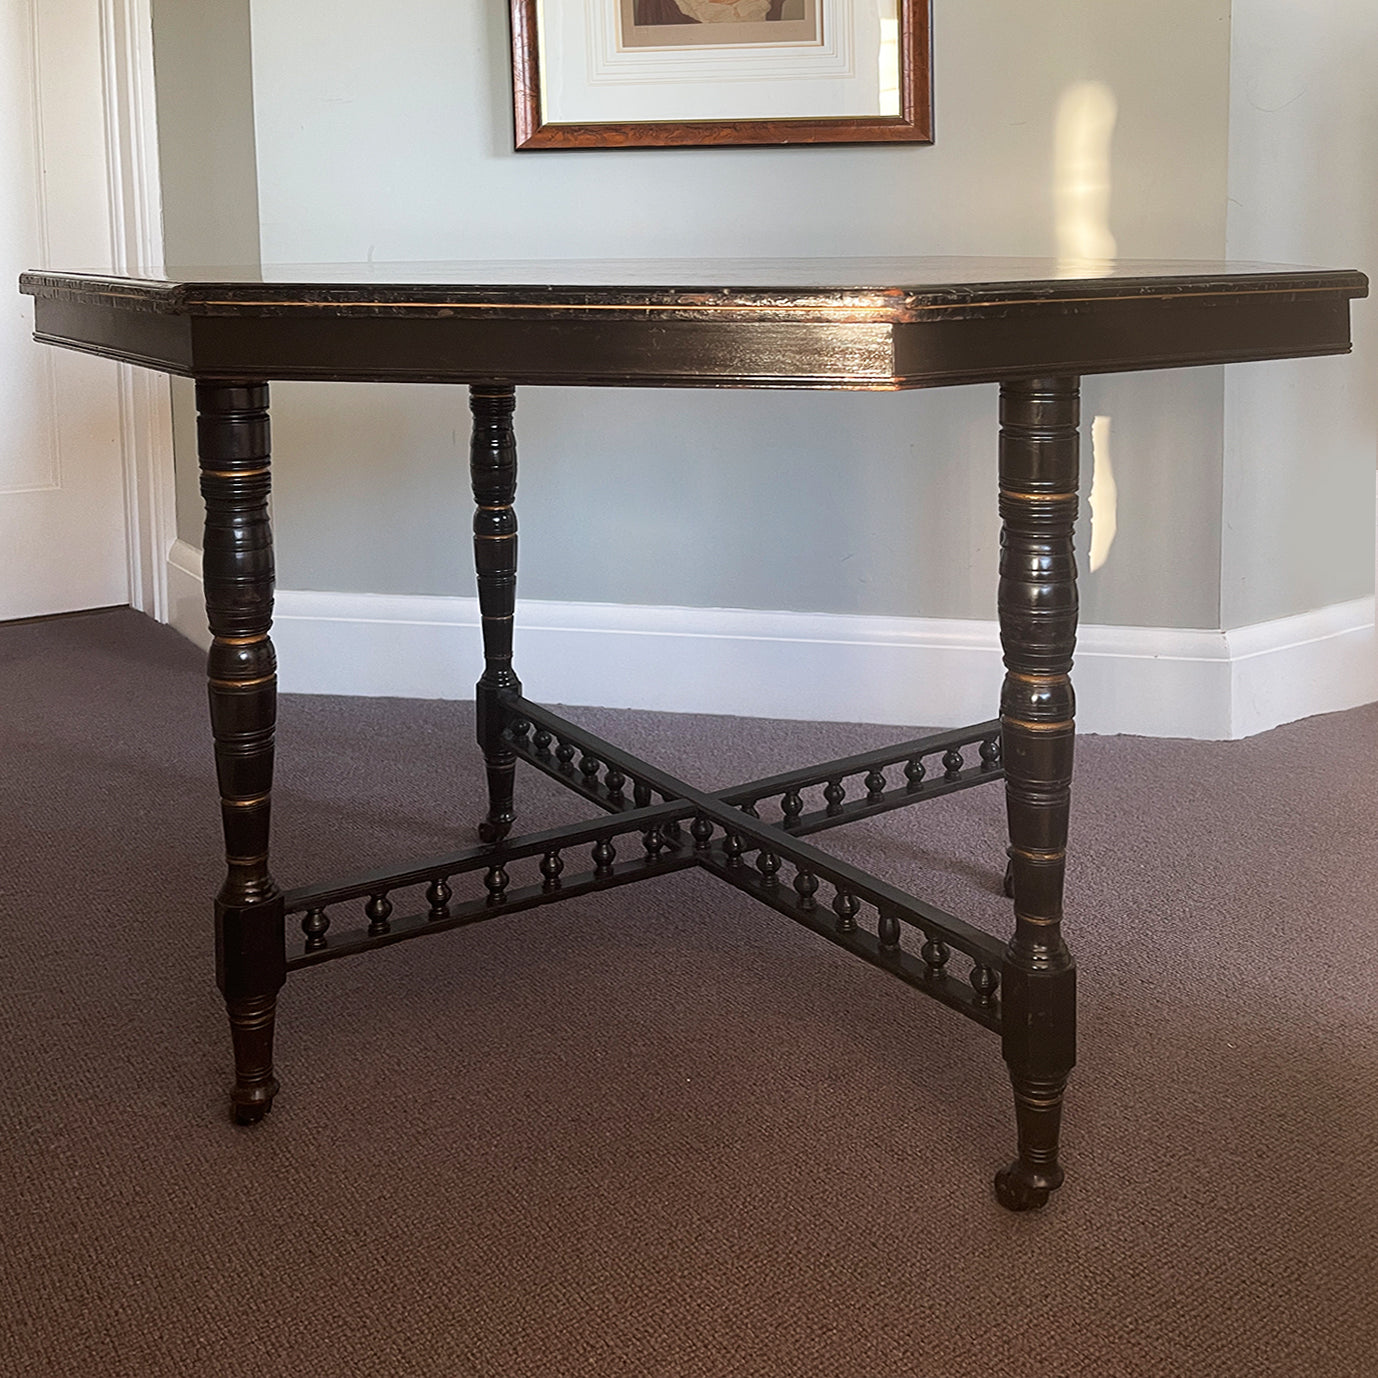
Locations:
493 470
250 945
1038 620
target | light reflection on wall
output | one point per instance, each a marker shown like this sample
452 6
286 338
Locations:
1103 497
1083 132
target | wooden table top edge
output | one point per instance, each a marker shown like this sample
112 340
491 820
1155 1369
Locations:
876 302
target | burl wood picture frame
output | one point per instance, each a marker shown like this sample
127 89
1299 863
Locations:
616 74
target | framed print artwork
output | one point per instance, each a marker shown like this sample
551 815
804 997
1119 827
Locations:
655 73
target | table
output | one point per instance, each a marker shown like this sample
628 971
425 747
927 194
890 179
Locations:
1034 327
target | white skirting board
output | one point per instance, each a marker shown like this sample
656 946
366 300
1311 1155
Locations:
1150 681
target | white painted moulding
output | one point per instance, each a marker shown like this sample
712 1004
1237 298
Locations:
134 191
938 672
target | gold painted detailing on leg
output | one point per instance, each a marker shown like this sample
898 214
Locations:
241 683
247 860
1037 920
1035 497
1065 725
1037 679
241 640
1038 857
511 536
234 473
1041 1102
246 803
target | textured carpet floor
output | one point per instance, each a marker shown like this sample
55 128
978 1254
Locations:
664 1131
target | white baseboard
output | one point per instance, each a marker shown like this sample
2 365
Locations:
186 604
1151 681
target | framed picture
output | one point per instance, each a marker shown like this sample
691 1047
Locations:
657 73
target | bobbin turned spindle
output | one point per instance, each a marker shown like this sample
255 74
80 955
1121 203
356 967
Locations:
237 563
493 473
1038 621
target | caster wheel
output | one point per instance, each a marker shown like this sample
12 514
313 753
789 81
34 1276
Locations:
1018 1189
256 1103
250 1114
490 832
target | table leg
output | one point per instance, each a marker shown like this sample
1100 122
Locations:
493 471
250 941
1038 621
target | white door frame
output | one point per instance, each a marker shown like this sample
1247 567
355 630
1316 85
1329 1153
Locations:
136 239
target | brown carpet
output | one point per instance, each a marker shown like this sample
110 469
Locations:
665 1131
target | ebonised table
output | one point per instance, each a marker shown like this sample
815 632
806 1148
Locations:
1030 326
